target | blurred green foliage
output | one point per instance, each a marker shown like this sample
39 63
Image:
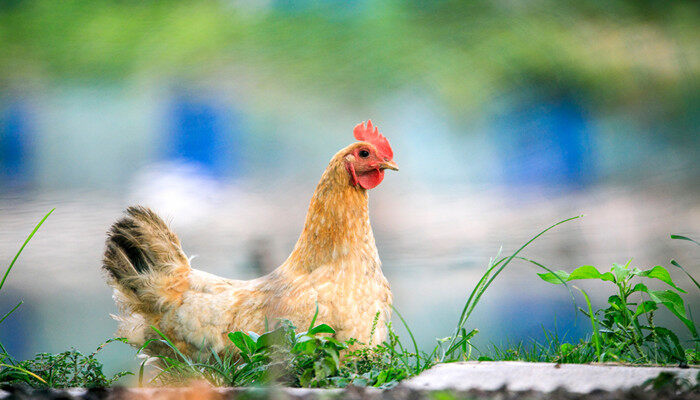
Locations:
616 52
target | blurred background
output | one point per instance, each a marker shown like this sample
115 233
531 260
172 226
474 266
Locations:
504 116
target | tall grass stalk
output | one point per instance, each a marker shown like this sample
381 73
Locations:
486 281
594 328
6 362
31 235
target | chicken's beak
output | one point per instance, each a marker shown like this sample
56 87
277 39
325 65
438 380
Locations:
389 165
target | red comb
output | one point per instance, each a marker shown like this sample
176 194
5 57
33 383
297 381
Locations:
371 134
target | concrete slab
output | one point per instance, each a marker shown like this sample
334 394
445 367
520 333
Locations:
543 377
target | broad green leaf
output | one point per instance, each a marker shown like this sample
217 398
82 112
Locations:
243 342
615 302
336 359
674 303
640 287
645 307
555 277
666 333
590 272
305 346
621 272
660 273
566 348
335 342
583 272
275 337
305 338
323 328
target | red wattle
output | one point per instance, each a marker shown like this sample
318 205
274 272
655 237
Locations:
371 179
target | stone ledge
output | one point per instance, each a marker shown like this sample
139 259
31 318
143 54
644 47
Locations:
454 381
539 377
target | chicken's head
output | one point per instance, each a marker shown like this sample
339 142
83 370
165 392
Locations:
367 159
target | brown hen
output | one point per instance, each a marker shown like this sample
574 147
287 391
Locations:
334 265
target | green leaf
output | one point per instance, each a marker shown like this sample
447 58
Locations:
590 272
583 272
661 273
640 287
591 315
675 264
336 359
244 342
556 277
620 272
645 307
305 346
684 238
666 333
323 328
275 337
674 303
313 320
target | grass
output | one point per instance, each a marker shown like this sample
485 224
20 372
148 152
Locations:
624 332
9 370
67 369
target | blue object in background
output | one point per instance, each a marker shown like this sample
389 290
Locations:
547 143
15 168
206 135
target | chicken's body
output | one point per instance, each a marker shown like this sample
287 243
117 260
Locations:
334 265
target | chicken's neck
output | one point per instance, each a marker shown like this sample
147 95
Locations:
337 225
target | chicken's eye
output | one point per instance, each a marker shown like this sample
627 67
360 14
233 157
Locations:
364 153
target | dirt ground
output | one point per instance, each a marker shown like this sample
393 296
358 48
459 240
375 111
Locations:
352 393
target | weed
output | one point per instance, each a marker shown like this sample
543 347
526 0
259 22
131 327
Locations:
68 369
619 331
8 366
63 370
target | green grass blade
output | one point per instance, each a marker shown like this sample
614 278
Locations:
313 320
479 291
11 311
141 370
172 346
596 334
12 264
675 264
413 339
474 292
23 371
684 238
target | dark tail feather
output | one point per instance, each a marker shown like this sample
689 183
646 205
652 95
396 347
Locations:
144 260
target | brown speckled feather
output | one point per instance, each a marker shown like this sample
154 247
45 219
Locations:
334 263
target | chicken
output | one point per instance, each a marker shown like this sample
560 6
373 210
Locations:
334 265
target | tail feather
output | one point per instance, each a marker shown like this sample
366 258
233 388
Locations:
145 263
